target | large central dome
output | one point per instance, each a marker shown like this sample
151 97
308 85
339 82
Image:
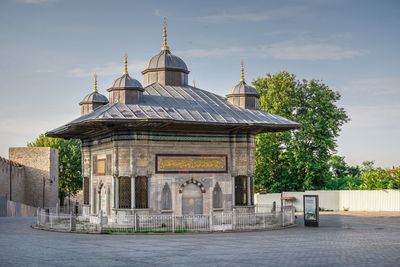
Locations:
166 61
165 68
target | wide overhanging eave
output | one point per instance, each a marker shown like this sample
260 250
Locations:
92 128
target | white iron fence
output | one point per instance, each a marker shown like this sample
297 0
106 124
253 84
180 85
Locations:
136 223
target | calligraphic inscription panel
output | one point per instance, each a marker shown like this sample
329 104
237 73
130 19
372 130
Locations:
193 163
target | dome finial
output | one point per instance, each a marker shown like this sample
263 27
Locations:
95 83
165 45
242 71
126 63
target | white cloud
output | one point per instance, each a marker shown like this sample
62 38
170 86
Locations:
240 16
284 50
107 69
35 2
374 86
373 118
45 71
211 53
311 51
233 17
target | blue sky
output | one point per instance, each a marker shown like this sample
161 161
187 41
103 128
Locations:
50 49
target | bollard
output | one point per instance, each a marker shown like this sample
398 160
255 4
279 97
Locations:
37 216
47 215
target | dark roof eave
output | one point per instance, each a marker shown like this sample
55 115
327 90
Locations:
125 88
67 131
165 69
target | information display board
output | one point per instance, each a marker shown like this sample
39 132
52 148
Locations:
311 210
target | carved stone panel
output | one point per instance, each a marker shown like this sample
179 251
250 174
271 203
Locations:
191 163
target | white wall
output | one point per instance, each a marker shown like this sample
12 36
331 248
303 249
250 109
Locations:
370 200
267 199
352 200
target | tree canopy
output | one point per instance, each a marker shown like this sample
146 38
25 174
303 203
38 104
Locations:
363 177
70 176
297 160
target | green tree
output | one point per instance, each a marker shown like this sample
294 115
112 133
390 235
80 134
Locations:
373 178
343 176
338 166
69 159
395 178
297 160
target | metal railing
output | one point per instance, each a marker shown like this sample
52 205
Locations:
138 223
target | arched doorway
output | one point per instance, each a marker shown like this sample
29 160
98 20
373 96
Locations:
192 200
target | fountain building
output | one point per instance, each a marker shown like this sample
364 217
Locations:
168 147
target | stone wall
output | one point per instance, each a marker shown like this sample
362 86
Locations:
16 191
41 174
11 208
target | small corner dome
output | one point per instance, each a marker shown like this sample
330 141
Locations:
126 82
94 97
243 88
165 61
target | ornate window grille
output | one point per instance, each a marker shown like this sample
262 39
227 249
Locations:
86 185
241 190
166 198
141 192
124 192
217 197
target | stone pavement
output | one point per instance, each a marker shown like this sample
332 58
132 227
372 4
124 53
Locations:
340 241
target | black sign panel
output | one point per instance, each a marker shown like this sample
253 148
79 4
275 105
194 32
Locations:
311 210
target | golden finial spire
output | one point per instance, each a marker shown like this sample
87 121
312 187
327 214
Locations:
95 83
165 45
126 63
242 71
194 83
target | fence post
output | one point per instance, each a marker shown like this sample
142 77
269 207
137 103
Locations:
57 208
173 223
136 222
72 222
234 217
211 221
264 220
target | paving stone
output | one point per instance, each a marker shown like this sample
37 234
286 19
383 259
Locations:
339 241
